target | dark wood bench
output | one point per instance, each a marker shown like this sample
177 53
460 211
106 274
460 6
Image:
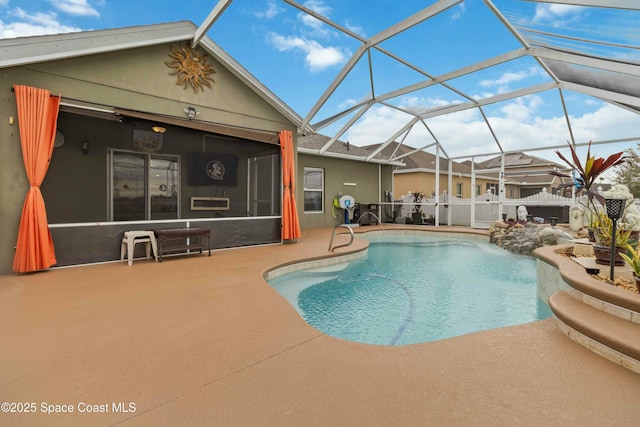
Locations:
194 239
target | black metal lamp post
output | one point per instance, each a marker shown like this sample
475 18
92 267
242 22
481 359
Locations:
614 212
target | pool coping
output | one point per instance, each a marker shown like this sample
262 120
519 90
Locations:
350 253
582 286
594 314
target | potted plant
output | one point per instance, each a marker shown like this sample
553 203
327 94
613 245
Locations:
416 215
632 258
604 233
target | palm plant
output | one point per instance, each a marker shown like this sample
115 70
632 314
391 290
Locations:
588 172
632 258
604 232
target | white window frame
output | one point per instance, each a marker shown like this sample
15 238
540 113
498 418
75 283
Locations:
459 189
315 190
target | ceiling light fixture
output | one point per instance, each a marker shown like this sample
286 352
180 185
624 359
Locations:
158 129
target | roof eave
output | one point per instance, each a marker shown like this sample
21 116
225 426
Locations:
35 49
31 50
314 152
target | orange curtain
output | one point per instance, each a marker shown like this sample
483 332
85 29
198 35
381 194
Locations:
37 117
290 224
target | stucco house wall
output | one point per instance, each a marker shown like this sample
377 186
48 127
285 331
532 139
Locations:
371 181
425 182
135 79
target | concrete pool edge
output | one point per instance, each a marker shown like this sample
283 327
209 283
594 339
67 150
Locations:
573 278
199 340
359 247
596 315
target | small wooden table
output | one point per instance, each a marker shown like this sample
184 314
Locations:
188 234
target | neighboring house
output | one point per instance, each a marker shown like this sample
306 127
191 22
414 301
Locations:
526 175
419 174
145 140
340 170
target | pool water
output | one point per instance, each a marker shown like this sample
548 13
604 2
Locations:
412 289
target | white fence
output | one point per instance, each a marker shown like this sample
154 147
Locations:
478 212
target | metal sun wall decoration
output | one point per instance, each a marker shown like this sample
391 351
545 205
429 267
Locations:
191 67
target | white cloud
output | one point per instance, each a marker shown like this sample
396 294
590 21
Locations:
347 104
74 7
377 125
37 24
270 12
504 79
521 109
557 15
355 29
503 82
517 124
317 6
4 3
317 57
418 105
459 11
318 27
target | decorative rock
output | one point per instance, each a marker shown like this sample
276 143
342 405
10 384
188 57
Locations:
552 236
582 233
583 249
525 238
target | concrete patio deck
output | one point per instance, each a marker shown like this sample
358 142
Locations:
200 340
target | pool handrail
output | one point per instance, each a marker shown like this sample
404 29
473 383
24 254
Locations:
334 234
373 215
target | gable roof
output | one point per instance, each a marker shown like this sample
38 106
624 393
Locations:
36 49
421 161
518 160
313 144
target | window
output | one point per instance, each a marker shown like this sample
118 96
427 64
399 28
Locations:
143 186
492 188
313 190
458 189
478 190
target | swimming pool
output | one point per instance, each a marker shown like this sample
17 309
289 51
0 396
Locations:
411 289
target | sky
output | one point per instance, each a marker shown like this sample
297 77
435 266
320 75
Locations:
297 57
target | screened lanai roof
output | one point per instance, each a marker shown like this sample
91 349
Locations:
474 77
465 79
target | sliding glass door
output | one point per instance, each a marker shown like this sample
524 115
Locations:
264 185
143 186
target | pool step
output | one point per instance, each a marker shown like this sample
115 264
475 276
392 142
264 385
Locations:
609 336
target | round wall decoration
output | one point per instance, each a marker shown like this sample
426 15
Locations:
215 170
59 141
191 68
